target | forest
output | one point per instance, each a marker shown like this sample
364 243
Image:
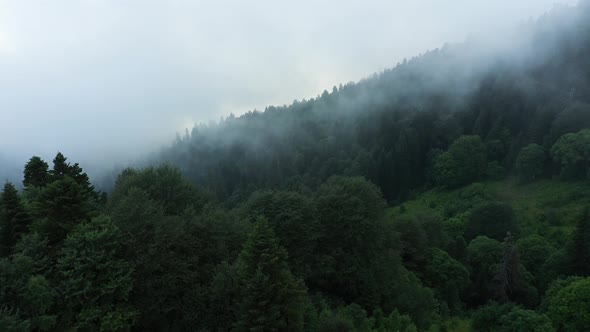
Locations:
449 193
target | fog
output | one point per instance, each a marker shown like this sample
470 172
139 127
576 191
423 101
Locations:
108 81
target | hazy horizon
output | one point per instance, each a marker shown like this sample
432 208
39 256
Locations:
107 81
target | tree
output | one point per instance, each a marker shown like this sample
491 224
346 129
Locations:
62 205
294 220
492 219
568 307
14 220
446 276
535 251
165 185
26 296
523 320
483 255
572 152
573 118
60 167
413 242
579 246
487 318
272 298
509 318
357 256
530 161
95 280
36 173
464 162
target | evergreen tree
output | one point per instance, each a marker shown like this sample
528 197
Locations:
95 281
272 297
62 205
36 173
14 220
60 167
579 248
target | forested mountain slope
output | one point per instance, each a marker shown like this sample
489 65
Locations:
531 87
450 193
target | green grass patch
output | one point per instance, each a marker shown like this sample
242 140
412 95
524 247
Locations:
547 207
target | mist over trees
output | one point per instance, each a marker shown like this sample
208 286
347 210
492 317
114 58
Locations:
450 193
395 128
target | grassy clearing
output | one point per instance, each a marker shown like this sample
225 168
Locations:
547 207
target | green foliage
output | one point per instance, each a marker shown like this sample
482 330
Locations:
572 152
483 255
36 173
14 219
568 307
63 204
534 252
165 185
95 281
416 300
356 248
26 297
492 219
10 322
354 318
530 162
522 320
413 242
166 256
573 118
272 299
509 318
293 218
579 247
446 276
464 162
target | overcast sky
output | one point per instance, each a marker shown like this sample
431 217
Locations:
110 79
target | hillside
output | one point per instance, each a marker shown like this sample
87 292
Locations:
531 88
546 207
449 193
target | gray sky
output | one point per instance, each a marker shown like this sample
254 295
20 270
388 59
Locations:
110 79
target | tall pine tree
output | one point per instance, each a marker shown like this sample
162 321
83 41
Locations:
60 167
272 298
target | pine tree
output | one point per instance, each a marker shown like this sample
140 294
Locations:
579 249
60 167
14 220
272 297
36 173
63 205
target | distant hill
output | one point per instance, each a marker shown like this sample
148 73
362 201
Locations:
531 86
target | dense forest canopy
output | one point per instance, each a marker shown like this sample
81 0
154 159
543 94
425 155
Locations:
450 193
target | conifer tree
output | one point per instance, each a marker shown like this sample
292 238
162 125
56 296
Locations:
272 298
36 173
60 167
63 205
14 220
